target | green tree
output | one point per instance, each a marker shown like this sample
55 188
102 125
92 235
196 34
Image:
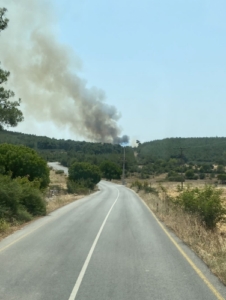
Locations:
189 174
84 174
10 115
110 170
220 169
21 161
222 178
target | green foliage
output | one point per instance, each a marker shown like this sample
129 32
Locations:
3 20
23 215
206 203
110 170
84 174
220 169
206 168
23 161
67 151
189 174
10 191
222 178
202 176
10 115
77 187
203 150
174 176
31 197
20 199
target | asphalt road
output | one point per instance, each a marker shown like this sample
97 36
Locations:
105 246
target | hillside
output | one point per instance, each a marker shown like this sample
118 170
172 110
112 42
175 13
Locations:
68 151
196 150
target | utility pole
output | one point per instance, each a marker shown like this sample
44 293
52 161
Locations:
181 163
123 166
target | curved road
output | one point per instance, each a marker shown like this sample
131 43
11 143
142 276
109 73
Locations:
105 246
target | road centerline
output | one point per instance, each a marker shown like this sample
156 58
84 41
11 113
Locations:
88 258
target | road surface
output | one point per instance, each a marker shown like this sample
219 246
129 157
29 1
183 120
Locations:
105 246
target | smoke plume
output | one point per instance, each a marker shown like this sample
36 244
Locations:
44 74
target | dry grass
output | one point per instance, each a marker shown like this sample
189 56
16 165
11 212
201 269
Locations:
60 200
60 196
210 246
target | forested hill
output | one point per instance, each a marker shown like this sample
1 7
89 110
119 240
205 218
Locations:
68 151
46 143
196 150
193 150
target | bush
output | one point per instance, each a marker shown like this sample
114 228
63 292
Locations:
32 199
222 178
21 161
110 170
20 198
23 215
10 192
75 188
202 176
137 184
206 203
4 225
174 176
189 174
84 175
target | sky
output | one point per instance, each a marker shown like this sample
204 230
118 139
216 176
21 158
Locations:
160 63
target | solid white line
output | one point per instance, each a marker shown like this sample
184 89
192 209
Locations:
86 263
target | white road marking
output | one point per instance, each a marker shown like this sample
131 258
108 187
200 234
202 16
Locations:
86 263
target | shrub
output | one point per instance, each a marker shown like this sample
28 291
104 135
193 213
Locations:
202 176
174 176
110 170
189 174
84 174
4 225
10 192
23 215
20 198
21 161
206 203
137 184
32 199
222 178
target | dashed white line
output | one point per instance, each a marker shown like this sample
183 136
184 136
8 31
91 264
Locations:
86 263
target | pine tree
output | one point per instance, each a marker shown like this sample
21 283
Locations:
10 115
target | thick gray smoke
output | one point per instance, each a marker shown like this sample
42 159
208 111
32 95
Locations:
43 74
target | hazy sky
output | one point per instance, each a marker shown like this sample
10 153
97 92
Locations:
161 63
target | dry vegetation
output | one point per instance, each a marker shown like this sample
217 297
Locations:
56 197
209 245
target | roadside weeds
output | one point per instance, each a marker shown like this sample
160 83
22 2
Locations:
209 245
